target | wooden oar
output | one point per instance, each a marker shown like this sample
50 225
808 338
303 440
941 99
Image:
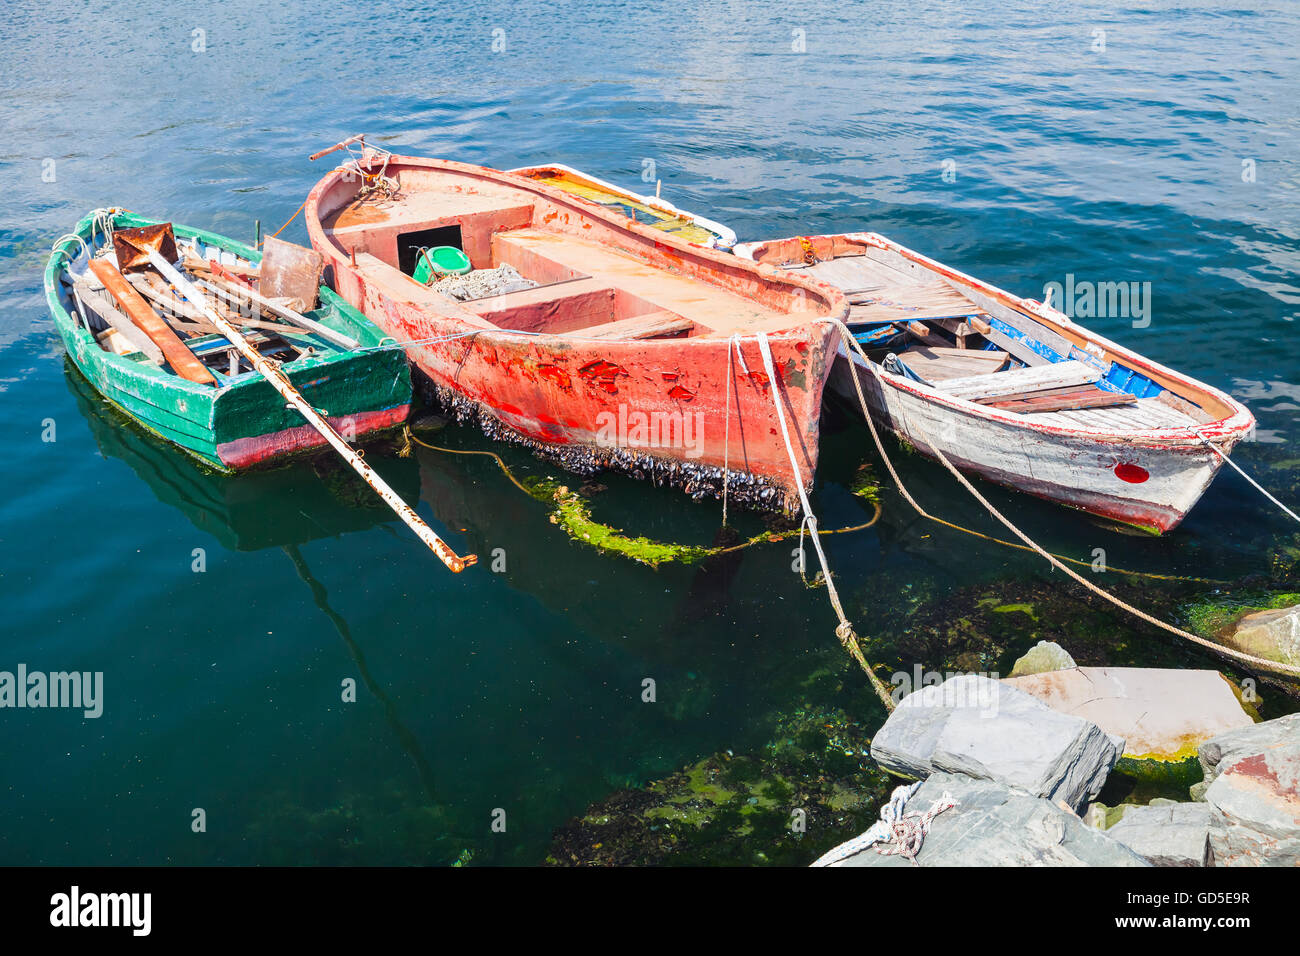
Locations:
294 398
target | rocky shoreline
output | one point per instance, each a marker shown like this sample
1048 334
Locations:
1013 771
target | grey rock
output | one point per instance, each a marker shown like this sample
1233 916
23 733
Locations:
989 730
1167 833
1252 783
996 825
1042 657
1222 750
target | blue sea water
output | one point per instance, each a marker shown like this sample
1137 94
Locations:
1018 141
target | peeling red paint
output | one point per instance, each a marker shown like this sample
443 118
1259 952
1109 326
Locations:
602 374
679 394
759 378
555 374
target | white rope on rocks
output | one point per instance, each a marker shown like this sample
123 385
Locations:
898 832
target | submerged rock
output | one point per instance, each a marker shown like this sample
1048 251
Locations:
1254 787
1273 635
996 825
1043 657
1167 833
989 730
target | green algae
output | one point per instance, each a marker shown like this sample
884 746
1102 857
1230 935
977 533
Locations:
810 787
1012 608
864 485
574 517
1214 617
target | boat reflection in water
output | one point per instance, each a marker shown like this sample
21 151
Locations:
263 510
247 512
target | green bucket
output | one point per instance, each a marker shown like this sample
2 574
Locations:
440 261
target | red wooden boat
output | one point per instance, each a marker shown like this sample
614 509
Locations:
596 340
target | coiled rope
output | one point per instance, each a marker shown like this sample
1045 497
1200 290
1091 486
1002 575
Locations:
852 344
900 833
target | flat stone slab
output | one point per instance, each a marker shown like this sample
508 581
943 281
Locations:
989 730
1167 834
1162 714
996 825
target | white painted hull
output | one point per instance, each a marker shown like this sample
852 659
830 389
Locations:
1067 466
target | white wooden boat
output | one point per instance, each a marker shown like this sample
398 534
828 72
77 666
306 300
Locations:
1014 391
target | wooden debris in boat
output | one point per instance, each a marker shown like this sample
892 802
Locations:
1056 375
290 271
1063 401
109 312
205 266
149 286
219 286
180 358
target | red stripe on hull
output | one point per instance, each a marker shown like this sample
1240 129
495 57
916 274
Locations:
249 452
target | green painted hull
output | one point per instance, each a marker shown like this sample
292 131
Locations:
244 422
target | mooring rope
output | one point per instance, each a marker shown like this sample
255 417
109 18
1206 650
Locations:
852 344
1253 483
845 630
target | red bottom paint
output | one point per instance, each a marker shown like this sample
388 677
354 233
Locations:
255 450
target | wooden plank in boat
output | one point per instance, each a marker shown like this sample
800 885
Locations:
1036 378
181 359
941 363
1060 401
654 325
1146 414
932 300
118 321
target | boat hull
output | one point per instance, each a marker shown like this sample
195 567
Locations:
1148 484
245 423
680 412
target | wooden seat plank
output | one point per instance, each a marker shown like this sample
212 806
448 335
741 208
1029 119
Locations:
1036 378
653 325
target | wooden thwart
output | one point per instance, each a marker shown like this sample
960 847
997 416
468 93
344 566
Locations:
1062 400
1036 379
942 363
649 326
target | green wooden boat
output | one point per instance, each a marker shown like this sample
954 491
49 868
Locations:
239 421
